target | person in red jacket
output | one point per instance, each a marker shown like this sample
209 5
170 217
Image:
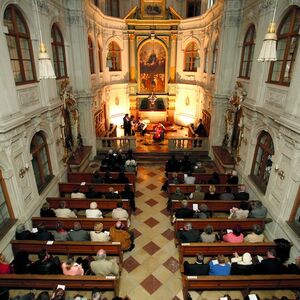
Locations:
5 267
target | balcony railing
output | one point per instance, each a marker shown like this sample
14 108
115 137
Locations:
188 144
124 143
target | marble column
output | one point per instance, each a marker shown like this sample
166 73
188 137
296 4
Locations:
132 75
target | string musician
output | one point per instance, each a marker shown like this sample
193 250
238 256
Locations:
159 132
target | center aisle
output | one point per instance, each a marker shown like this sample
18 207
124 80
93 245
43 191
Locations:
151 270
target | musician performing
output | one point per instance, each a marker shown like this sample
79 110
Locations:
159 134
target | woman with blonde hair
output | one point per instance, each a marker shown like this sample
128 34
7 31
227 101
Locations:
97 235
211 195
70 267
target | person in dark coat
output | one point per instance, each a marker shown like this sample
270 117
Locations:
46 264
188 234
200 130
198 268
233 178
128 194
23 234
270 265
184 212
21 263
215 178
241 194
43 234
172 165
78 234
122 178
46 211
96 177
112 194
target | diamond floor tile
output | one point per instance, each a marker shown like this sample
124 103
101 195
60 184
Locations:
151 174
136 233
151 186
130 264
137 211
168 234
171 264
151 202
138 194
151 222
151 248
151 284
166 212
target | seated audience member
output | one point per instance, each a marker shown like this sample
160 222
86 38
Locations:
129 155
188 234
5 267
112 194
211 195
46 211
236 236
258 210
184 212
60 234
93 211
22 264
46 264
219 267
283 248
91 194
198 268
227 195
172 165
78 234
122 178
178 195
96 177
23 234
208 235
233 178
241 194
59 294
293 268
43 296
77 194
175 179
241 265
270 265
98 235
120 212
119 234
70 267
215 178
108 178
130 165
197 195
256 236
128 194
189 179
186 165
202 212
239 213
199 168
63 212
43 234
104 267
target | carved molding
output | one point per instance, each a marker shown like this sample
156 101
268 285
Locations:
275 98
28 96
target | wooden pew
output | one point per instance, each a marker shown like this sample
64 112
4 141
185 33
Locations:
103 204
221 224
69 187
190 188
68 247
201 178
245 283
79 177
29 281
213 249
86 223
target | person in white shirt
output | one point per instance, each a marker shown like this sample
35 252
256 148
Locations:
93 211
77 194
239 213
120 212
97 235
63 212
189 179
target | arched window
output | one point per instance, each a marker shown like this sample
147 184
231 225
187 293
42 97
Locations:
58 50
41 161
19 46
91 55
205 61
6 213
114 54
287 44
247 52
190 56
262 162
215 57
100 58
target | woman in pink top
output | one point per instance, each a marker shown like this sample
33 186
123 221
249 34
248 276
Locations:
72 268
235 236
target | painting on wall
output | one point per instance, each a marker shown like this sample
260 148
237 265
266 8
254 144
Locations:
152 68
153 9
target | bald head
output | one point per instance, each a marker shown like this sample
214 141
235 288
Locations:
101 254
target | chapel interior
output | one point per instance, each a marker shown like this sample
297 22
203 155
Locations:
70 70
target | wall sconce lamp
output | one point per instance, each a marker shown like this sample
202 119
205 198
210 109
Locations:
23 171
280 173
